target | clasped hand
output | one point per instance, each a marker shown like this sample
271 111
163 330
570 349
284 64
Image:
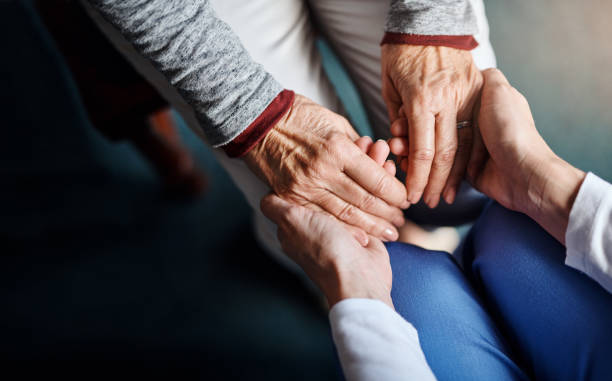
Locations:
310 158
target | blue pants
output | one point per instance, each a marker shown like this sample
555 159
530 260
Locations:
515 312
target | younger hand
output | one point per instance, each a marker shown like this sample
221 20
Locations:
331 257
328 253
521 172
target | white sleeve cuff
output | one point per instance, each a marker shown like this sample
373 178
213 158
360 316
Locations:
589 232
375 343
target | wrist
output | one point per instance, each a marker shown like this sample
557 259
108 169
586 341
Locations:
551 192
252 136
465 42
355 284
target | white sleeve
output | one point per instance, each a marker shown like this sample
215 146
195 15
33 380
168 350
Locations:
589 232
375 343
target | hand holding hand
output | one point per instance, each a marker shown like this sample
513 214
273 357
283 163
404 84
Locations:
428 89
521 172
310 158
335 261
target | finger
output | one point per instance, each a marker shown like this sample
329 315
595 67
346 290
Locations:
359 234
379 151
351 192
283 214
404 164
399 127
457 173
399 146
377 245
364 143
389 166
374 179
421 150
478 155
275 208
352 215
446 148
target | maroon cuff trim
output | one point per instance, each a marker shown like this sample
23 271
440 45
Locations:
457 42
256 131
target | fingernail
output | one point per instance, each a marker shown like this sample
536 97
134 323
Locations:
390 235
432 201
414 197
405 205
449 196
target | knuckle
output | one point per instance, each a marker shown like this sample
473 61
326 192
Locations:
292 214
423 154
334 146
369 202
382 185
347 213
445 156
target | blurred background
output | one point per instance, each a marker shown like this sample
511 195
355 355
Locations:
108 263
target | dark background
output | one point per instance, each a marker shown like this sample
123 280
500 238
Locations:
103 274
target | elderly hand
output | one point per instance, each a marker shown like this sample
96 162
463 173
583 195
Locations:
427 89
335 261
520 172
310 158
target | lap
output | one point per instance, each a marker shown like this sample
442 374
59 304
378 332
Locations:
556 317
459 339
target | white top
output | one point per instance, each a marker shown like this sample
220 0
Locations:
375 343
589 233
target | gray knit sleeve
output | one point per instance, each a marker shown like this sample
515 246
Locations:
201 57
432 17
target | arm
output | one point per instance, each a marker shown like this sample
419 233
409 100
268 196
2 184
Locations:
524 174
430 82
202 58
304 152
373 341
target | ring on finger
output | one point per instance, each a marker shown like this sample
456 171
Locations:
464 124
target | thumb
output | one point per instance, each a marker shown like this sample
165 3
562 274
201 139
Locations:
494 77
275 208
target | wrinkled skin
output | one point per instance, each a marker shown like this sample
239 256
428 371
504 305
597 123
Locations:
329 254
310 158
427 89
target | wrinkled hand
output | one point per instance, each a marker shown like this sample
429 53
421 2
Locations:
340 266
427 90
520 172
310 158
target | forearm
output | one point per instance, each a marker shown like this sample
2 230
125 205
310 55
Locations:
201 57
551 191
354 285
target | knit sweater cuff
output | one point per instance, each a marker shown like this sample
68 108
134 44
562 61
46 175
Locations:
257 130
457 42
